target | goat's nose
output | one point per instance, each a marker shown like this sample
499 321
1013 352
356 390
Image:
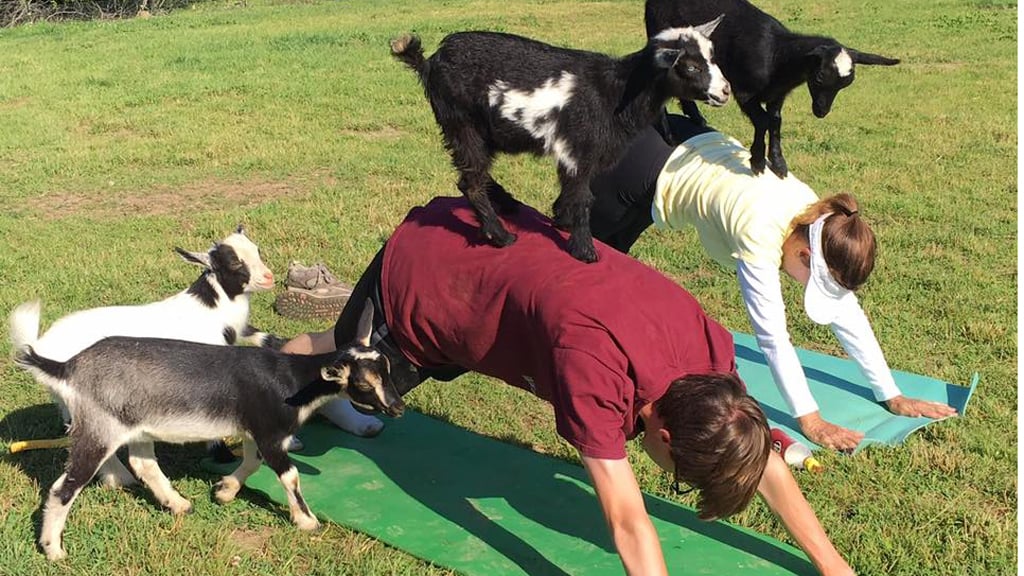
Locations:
727 89
268 275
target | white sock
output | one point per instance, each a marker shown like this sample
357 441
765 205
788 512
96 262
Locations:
344 416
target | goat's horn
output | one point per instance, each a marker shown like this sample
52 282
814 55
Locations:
869 59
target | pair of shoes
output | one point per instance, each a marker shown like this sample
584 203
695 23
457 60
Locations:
312 292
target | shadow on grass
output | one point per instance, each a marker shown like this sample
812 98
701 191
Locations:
446 480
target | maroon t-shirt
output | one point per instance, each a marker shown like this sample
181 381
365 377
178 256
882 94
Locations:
598 341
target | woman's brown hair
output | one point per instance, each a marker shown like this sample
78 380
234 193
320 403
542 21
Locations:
719 440
847 242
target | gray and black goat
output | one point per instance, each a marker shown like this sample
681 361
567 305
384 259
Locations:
134 391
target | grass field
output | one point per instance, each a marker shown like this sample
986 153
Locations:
119 140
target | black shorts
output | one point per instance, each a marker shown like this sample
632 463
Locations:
404 374
623 195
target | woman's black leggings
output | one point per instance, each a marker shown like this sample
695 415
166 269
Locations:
623 195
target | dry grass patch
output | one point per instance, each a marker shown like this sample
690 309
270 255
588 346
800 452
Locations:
204 196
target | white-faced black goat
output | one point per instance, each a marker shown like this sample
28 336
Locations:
493 92
763 62
213 310
136 391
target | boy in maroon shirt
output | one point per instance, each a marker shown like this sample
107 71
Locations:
614 346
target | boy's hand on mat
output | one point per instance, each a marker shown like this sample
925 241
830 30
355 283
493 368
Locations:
828 434
913 407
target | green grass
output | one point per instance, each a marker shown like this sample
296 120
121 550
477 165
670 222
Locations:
119 140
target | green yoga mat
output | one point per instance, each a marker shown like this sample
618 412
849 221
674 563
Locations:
843 394
484 507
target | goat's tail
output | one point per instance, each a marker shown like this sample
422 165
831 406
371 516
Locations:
25 325
24 334
28 359
408 49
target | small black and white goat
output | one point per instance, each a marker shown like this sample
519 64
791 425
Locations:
136 391
764 62
492 92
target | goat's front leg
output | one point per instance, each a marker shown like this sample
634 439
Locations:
143 462
692 112
759 118
276 457
228 487
778 163
83 461
257 337
474 187
572 212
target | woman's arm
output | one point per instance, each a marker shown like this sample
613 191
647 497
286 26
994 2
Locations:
623 505
761 290
854 332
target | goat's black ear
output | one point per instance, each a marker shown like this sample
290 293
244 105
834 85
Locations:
871 59
365 324
665 57
708 28
200 258
311 392
240 229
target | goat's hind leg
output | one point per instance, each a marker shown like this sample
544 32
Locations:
84 460
500 198
472 159
143 461
228 487
113 474
276 457
572 212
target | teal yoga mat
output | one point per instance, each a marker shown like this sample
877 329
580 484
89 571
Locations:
843 394
484 507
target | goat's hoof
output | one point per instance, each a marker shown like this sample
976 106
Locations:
501 239
224 492
307 523
54 553
757 167
585 254
179 507
780 170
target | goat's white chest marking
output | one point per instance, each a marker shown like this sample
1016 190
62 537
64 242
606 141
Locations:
844 64
536 111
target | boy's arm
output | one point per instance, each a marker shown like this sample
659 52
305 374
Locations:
782 494
622 503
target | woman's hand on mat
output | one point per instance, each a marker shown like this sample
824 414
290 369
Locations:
828 434
913 407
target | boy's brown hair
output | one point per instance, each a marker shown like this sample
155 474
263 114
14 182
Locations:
719 440
847 242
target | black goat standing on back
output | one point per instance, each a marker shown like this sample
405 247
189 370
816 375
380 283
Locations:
764 62
493 92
